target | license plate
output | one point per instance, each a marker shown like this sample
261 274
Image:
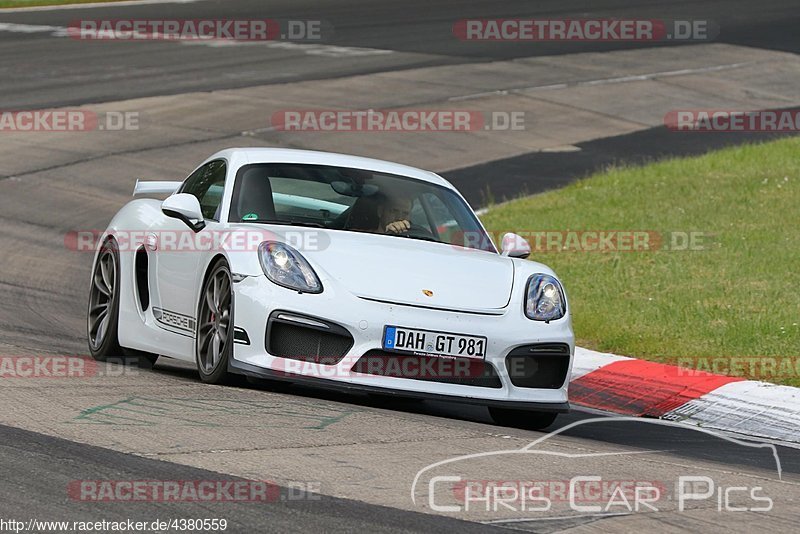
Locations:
426 342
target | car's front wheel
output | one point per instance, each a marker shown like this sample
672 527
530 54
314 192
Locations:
521 418
214 339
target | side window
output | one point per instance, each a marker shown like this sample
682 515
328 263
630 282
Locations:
207 184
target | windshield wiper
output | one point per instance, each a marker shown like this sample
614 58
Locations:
307 224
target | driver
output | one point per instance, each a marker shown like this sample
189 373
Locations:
394 215
381 214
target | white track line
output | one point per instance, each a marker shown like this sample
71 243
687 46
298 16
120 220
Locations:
310 49
55 31
94 5
604 81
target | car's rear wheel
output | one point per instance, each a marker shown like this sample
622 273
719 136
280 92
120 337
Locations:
103 315
521 418
214 339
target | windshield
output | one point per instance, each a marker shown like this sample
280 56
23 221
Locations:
340 198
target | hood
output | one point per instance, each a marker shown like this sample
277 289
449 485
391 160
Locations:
413 272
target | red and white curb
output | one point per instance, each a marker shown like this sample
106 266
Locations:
648 389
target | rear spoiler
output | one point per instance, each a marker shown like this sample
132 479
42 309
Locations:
155 188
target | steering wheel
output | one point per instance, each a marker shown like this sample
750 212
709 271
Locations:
419 231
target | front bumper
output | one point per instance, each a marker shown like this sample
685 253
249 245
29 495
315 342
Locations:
256 298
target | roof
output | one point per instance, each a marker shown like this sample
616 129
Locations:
243 156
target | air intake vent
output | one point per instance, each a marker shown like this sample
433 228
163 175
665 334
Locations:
142 279
542 366
288 338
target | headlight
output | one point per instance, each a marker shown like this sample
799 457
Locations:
288 268
544 298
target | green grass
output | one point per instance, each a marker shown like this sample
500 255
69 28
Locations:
738 298
31 3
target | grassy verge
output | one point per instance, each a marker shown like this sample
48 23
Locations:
32 3
734 305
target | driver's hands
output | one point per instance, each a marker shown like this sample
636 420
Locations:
398 227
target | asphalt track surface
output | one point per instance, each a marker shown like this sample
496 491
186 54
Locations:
43 71
36 468
38 70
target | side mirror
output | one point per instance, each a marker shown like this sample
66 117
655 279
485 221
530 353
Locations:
186 208
515 246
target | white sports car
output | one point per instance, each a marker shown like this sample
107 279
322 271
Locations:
337 270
